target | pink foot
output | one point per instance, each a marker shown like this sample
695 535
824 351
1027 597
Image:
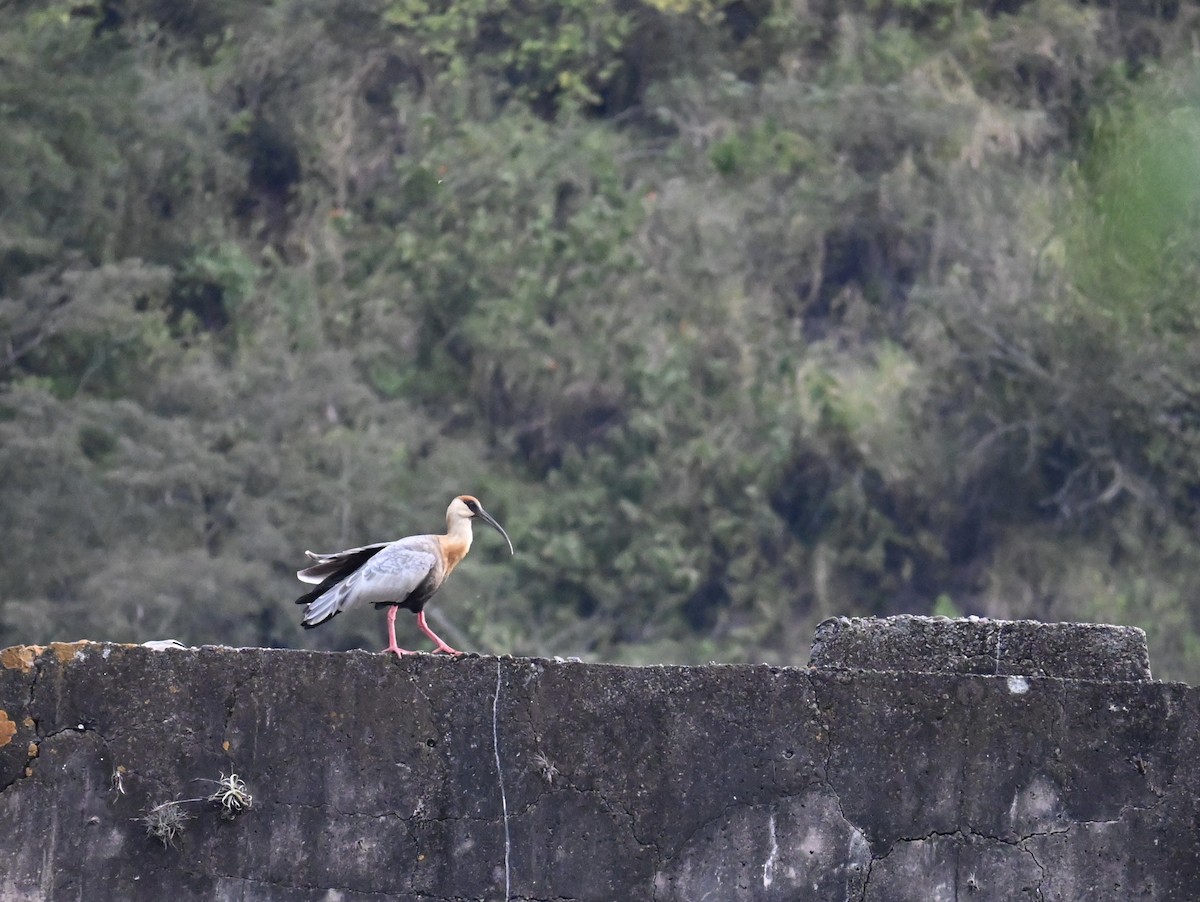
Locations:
441 646
392 646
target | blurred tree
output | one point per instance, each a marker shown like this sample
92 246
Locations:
737 315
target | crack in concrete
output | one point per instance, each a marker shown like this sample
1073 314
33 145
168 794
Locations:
826 724
867 880
1041 870
37 672
562 781
968 833
500 779
826 778
1021 842
609 806
31 754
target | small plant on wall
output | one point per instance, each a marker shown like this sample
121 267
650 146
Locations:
167 821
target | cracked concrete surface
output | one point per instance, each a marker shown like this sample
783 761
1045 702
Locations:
483 778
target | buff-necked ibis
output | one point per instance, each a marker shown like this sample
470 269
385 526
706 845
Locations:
393 575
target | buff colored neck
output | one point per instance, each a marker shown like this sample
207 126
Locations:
457 540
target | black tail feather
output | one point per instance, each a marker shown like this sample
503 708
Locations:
348 566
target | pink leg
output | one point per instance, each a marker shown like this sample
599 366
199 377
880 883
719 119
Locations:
441 646
392 646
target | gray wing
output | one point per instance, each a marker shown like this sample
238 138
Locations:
391 575
331 563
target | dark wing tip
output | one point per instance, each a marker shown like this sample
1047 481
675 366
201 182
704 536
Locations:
310 626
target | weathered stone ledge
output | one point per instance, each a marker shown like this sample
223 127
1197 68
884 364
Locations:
883 772
1078 651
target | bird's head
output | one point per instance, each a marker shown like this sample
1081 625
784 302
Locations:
467 507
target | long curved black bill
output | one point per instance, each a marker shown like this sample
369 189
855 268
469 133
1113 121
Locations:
491 521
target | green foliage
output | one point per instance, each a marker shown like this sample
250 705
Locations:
944 606
61 137
737 316
558 53
86 329
1140 212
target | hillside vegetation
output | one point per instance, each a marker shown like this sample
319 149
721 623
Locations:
737 315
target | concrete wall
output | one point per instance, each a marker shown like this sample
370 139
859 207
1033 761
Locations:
917 759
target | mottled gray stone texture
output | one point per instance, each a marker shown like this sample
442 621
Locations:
1076 651
482 778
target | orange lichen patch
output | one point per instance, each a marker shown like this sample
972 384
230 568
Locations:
32 751
225 745
20 657
66 651
28 722
8 729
